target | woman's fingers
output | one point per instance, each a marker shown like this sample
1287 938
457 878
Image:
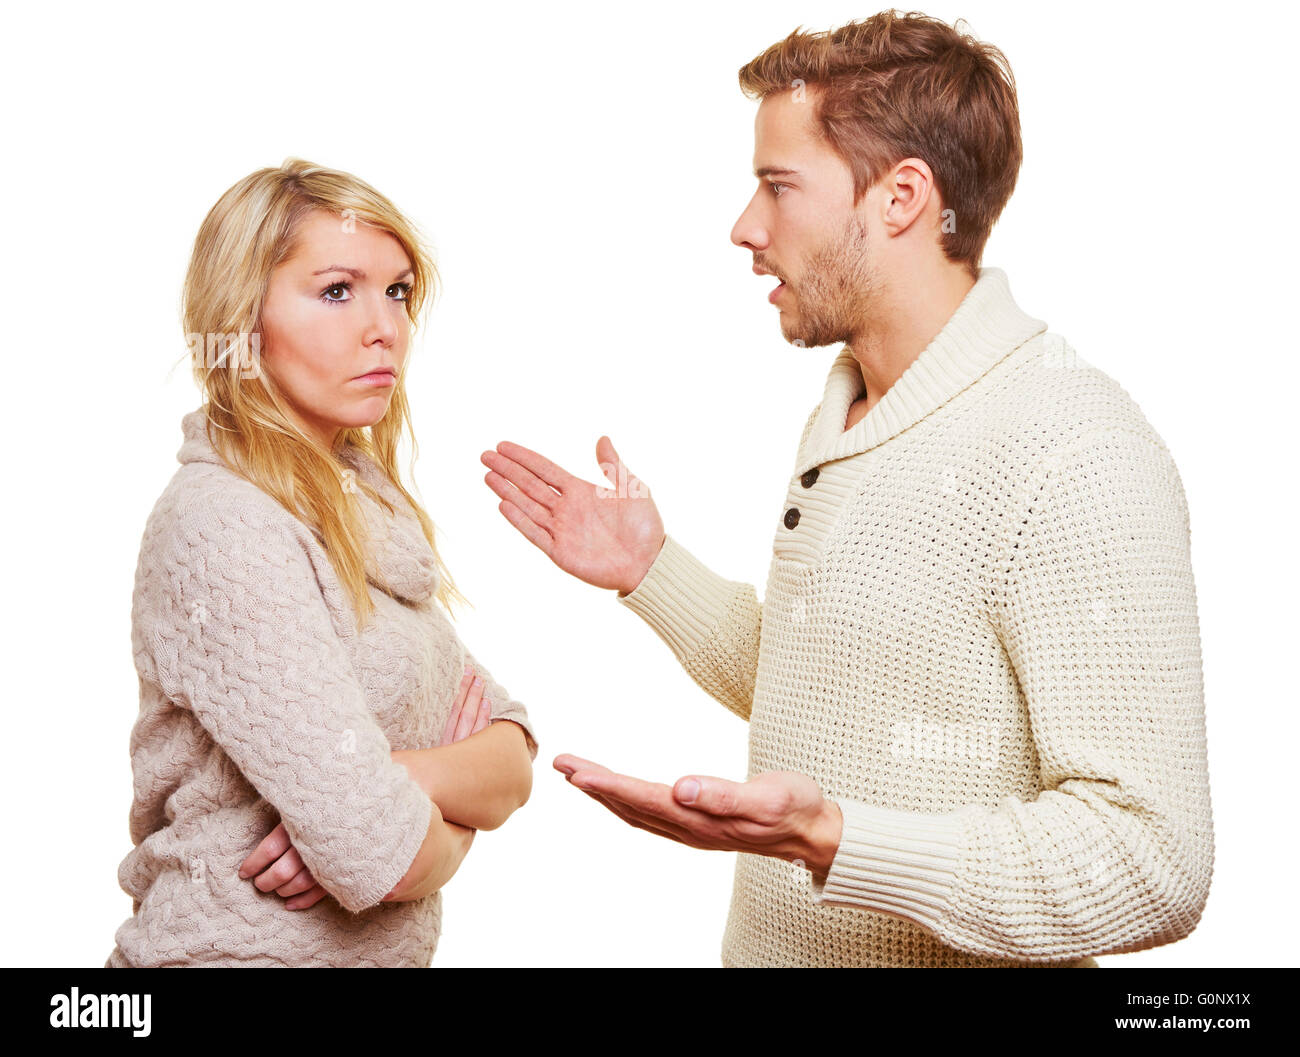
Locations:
484 716
469 711
273 845
302 881
449 731
280 872
308 899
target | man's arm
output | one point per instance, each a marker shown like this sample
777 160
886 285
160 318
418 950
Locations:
1096 607
711 624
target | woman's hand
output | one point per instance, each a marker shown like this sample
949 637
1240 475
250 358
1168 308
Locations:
471 711
276 867
606 537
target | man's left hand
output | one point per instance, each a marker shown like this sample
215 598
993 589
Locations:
780 813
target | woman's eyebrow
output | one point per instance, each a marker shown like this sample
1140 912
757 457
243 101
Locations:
356 273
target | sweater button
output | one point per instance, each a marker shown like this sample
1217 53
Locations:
810 478
792 517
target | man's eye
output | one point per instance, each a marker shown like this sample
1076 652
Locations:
774 187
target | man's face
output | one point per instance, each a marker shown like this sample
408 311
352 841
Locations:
802 227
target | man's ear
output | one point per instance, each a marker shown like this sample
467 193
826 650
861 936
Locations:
904 194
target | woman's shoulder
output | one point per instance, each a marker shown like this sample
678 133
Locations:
206 507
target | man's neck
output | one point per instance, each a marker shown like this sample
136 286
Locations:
908 316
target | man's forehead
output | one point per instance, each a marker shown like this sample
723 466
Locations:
784 131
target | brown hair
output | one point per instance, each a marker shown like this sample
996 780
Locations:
897 86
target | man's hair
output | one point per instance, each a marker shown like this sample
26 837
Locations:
897 86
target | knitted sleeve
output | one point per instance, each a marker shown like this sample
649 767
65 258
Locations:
1096 608
503 705
711 624
234 618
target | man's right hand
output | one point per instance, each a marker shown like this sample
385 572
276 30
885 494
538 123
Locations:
605 536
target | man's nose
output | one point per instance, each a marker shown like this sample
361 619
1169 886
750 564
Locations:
748 233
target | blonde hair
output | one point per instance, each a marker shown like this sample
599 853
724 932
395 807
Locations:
251 229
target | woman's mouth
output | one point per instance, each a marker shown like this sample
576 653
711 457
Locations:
378 378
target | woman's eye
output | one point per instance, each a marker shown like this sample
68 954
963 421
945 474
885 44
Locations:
329 290
405 288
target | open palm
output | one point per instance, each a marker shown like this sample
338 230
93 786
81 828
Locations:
605 535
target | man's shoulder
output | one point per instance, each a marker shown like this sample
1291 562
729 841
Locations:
1048 400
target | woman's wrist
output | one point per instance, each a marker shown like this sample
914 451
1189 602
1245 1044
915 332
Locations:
417 763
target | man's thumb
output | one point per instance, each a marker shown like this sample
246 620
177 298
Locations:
707 794
609 460
626 484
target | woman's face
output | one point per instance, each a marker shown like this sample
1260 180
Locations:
334 313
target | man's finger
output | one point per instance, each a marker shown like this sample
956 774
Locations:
511 481
569 763
657 826
540 466
528 528
717 796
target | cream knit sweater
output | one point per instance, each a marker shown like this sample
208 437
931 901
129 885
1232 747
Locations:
980 637
260 702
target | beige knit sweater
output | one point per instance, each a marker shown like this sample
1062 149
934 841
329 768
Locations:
260 703
980 637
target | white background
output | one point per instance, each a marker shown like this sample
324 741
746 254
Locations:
578 169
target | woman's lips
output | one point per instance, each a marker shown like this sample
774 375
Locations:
378 378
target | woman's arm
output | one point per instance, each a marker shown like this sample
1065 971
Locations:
439 857
479 781
279 868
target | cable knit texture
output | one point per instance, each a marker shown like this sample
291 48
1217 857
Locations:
980 637
260 702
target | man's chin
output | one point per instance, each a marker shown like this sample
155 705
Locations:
803 340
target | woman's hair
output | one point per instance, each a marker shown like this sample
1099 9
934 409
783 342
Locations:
897 86
251 229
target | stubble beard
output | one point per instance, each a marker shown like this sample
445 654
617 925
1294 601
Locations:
835 292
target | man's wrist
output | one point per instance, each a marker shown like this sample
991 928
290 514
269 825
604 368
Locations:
624 591
823 838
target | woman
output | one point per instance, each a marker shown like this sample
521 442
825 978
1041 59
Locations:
315 747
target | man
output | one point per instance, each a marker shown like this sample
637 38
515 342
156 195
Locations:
977 731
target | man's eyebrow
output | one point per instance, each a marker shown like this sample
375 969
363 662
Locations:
356 273
773 170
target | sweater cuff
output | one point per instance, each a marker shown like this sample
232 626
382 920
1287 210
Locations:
681 598
899 862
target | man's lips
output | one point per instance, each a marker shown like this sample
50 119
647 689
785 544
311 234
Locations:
780 286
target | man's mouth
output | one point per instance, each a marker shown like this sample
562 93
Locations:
779 287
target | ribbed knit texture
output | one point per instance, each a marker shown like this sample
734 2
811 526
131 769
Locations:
980 637
260 702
